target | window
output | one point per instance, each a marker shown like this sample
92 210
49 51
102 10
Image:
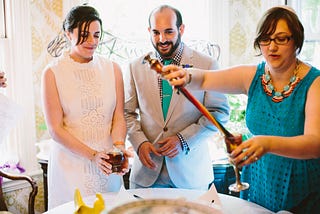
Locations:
128 20
118 17
309 14
16 60
2 20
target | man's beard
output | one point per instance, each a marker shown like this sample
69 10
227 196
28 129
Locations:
171 51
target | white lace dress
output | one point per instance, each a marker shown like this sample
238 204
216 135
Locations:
87 96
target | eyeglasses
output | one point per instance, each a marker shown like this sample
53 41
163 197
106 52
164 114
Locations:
283 40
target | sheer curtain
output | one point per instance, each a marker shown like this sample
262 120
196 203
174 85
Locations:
16 60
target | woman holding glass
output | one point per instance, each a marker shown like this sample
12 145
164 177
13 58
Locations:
83 102
282 161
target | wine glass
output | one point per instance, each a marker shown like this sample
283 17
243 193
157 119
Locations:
231 143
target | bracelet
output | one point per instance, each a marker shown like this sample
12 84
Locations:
190 78
94 154
119 143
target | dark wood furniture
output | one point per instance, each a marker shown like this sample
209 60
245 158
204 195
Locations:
126 180
224 176
32 194
44 167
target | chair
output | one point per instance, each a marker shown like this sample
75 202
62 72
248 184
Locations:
206 47
32 195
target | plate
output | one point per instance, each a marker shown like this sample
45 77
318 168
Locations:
166 206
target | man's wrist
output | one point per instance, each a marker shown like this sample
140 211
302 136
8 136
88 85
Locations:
184 144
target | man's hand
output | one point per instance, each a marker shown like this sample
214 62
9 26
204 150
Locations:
170 146
144 154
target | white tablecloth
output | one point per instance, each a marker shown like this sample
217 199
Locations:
229 203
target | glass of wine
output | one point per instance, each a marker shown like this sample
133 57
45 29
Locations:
231 143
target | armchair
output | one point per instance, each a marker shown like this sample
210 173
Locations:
32 195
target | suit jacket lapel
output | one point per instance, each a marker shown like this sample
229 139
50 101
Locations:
176 98
153 89
186 58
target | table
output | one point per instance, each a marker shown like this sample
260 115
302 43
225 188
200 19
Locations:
230 204
223 177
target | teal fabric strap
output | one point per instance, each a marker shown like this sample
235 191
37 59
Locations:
166 92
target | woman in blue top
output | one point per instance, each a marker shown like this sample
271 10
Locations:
282 161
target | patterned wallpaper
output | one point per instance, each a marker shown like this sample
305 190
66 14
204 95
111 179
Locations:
244 17
46 17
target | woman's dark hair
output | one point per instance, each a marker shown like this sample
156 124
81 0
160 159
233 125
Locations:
268 23
162 7
78 17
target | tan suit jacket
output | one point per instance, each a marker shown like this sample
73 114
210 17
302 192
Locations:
146 123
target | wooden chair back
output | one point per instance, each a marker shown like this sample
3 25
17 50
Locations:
32 195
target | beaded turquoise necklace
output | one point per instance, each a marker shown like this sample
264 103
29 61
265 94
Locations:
269 89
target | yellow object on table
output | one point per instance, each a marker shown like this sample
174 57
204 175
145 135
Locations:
82 208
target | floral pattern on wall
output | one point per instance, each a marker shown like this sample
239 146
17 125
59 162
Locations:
244 17
46 21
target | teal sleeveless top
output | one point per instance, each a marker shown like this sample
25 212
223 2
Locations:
280 183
